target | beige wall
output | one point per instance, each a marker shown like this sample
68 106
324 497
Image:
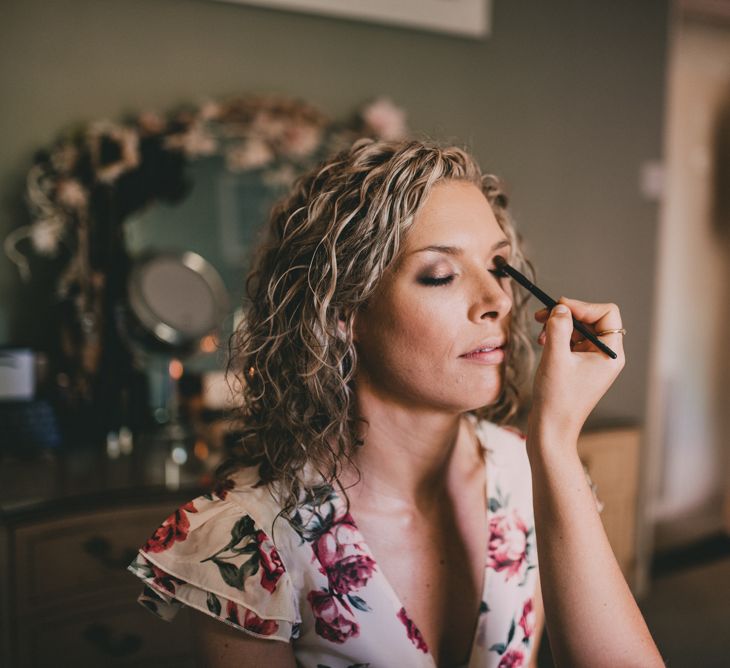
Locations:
564 99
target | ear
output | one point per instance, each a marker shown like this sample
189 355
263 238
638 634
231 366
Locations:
343 328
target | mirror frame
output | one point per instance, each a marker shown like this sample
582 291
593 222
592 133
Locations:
82 189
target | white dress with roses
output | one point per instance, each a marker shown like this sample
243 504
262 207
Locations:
313 581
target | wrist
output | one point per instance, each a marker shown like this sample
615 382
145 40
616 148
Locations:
547 438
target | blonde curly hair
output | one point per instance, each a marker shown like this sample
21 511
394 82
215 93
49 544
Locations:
329 243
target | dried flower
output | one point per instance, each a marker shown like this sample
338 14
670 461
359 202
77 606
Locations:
385 119
63 158
300 140
268 125
114 150
71 194
283 176
45 235
250 155
151 123
195 141
209 111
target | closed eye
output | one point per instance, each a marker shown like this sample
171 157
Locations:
444 280
433 280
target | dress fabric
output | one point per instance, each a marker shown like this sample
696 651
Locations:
314 582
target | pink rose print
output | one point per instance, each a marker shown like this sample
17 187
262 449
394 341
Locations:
339 541
174 528
271 566
527 622
512 658
264 627
164 580
507 543
414 635
330 623
339 553
350 573
232 613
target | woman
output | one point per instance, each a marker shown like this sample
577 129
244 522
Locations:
377 514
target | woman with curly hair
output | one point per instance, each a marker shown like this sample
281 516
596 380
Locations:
380 509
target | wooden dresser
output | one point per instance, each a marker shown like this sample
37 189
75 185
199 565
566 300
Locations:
66 597
611 457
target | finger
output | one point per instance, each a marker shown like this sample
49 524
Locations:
558 332
577 336
601 316
542 315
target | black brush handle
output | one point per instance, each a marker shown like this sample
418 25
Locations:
546 299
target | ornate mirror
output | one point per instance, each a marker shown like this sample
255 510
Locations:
198 180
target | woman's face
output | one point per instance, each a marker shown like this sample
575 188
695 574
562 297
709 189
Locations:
438 304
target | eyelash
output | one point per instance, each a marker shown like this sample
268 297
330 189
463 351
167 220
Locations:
431 281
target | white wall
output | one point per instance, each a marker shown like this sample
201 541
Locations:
688 437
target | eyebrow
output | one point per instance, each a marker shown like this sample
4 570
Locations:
455 250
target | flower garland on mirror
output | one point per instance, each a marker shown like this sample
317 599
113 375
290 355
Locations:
81 190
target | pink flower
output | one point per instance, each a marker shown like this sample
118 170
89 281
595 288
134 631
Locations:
507 543
174 528
527 622
264 627
512 658
350 573
271 566
342 540
330 623
414 635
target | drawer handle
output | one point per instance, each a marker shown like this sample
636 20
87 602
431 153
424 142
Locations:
100 636
101 549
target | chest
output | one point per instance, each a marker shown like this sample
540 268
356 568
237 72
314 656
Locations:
435 565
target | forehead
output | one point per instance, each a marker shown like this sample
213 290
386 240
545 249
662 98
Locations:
454 212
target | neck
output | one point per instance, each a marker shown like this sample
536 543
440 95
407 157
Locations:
410 456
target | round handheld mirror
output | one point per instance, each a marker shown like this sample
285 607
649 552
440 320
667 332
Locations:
177 298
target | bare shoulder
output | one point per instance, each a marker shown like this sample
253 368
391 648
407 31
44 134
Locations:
218 645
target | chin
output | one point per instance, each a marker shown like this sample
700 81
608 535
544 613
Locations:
484 399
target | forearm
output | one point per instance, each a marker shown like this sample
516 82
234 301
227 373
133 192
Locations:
591 616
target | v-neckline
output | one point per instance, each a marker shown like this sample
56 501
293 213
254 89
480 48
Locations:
393 596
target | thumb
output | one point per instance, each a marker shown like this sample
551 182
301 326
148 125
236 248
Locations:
558 330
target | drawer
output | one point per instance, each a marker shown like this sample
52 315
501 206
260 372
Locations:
123 635
61 561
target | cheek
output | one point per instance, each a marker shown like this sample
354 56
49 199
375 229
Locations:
412 333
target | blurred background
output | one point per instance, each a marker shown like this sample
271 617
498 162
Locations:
143 143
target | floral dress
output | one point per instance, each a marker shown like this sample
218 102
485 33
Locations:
313 581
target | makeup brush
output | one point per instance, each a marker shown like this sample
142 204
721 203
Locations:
506 269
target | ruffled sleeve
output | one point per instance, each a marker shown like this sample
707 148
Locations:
215 554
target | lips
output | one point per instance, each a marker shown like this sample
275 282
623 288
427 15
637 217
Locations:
485 346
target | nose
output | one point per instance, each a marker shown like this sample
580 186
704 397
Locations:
491 298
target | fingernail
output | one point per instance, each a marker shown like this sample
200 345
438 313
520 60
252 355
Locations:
562 309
